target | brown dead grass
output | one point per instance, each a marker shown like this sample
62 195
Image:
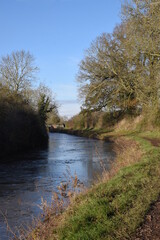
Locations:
128 124
128 152
43 226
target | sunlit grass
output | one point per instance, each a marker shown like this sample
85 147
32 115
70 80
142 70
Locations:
115 208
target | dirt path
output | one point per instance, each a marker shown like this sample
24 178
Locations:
154 141
150 230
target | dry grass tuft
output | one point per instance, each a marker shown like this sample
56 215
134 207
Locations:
127 151
128 124
41 227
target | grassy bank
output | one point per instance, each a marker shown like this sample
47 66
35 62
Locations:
117 205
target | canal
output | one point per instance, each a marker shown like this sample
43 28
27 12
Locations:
27 178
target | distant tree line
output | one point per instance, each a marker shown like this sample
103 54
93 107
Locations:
121 71
24 108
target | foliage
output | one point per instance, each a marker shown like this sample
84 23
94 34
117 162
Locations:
43 101
17 71
120 71
103 72
96 120
43 107
23 109
53 117
20 127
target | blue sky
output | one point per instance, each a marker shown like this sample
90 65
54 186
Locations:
56 32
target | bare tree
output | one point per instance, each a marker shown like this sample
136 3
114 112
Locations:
17 71
122 70
143 33
105 75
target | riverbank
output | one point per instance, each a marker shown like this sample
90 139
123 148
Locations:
116 206
89 133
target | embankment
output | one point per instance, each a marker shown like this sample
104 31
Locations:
116 206
90 133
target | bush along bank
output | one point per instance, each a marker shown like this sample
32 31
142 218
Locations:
20 127
78 132
116 206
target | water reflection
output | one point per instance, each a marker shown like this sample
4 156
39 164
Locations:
24 181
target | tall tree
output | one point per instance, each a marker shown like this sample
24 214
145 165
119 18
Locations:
45 103
122 69
17 71
105 76
143 44
95 76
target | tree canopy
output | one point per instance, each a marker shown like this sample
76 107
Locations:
17 71
121 70
17 77
24 108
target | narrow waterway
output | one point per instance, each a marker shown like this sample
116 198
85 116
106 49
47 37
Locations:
24 180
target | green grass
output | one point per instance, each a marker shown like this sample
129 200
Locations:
113 210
